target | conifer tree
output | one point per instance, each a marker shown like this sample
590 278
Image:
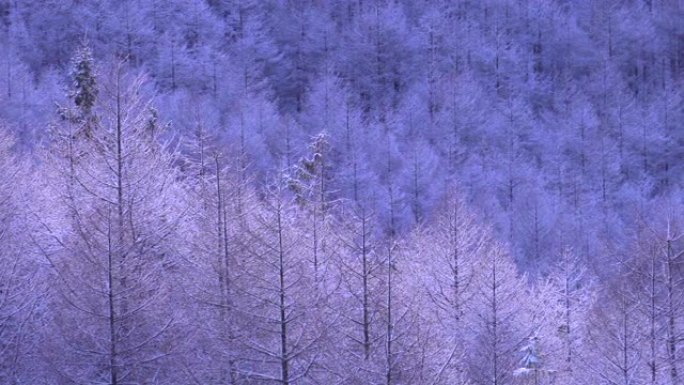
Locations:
113 258
22 291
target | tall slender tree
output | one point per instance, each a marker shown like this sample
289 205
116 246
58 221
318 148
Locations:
287 329
21 292
114 262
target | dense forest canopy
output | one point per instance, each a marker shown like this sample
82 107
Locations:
342 192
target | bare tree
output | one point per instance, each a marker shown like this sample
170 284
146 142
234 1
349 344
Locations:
614 352
284 323
358 264
21 290
558 311
445 264
214 251
663 243
497 320
114 252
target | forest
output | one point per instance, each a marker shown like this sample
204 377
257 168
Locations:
300 192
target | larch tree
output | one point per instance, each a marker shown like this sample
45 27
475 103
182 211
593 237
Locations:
310 181
446 259
614 343
561 304
497 319
648 284
214 262
666 236
286 327
404 334
22 293
359 264
112 252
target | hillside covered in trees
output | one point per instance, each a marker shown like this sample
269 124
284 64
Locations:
342 192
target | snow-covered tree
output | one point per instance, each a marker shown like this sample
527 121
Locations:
498 330
112 250
22 289
287 329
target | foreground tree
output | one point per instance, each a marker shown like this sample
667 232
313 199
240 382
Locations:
659 278
498 320
615 338
112 252
565 299
21 289
283 307
447 251
212 269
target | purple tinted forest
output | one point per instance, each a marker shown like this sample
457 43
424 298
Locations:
342 192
